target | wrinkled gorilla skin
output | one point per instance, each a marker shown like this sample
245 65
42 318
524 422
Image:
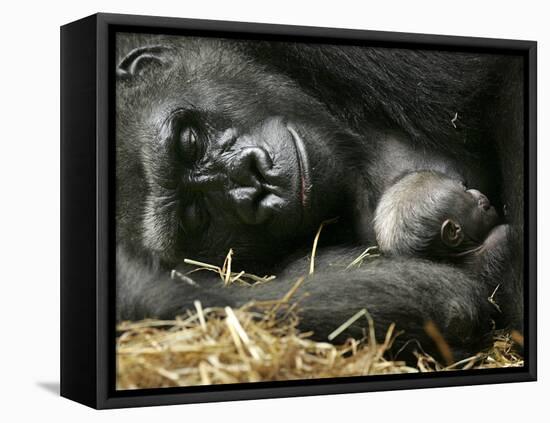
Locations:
364 117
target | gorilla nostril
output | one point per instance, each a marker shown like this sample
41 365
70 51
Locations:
251 167
254 169
260 163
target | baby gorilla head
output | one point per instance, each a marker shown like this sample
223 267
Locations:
430 215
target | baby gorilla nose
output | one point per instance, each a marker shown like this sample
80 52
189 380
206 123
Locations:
482 200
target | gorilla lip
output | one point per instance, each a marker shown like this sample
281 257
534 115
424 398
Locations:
303 164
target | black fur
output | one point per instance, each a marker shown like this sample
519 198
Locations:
373 113
408 292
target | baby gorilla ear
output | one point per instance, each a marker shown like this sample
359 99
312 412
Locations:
451 233
142 58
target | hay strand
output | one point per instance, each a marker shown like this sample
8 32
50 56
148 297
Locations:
225 272
315 242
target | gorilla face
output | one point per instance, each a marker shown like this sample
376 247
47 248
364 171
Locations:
475 212
227 156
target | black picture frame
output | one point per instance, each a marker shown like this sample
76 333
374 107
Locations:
87 212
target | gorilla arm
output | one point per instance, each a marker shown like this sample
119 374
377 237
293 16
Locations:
498 266
407 292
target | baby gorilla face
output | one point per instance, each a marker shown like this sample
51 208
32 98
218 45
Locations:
470 211
429 214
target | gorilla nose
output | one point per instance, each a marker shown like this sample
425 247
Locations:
251 167
252 196
482 200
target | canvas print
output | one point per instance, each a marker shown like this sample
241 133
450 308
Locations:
291 210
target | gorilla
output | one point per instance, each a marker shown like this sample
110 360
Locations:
427 214
251 145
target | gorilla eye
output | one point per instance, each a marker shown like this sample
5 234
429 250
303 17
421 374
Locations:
189 145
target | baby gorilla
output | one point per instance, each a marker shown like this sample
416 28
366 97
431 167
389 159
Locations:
428 214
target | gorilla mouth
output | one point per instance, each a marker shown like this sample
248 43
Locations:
303 165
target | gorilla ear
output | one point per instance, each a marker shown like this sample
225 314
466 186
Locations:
141 59
451 233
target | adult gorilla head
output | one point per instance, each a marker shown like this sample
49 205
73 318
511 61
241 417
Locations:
215 152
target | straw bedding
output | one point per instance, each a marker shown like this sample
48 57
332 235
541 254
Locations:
261 342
